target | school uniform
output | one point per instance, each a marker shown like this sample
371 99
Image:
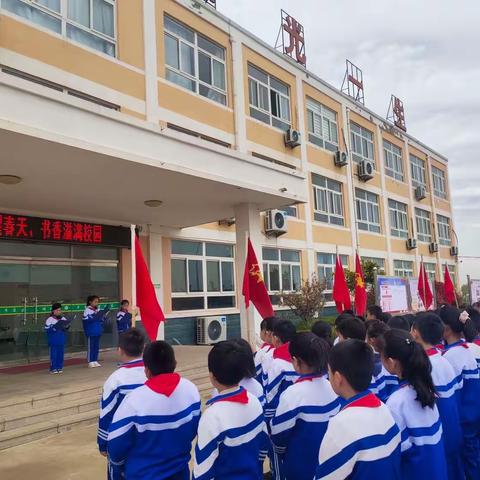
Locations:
423 452
475 348
446 385
150 437
232 438
466 372
362 442
124 321
250 385
267 358
55 329
300 423
93 328
383 383
259 356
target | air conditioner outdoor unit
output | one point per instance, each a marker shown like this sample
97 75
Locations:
365 170
454 251
292 138
340 158
420 192
433 247
211 330
275 223
411 244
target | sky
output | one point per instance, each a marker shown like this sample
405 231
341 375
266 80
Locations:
426 52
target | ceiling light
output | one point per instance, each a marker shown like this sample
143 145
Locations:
153 203
10 179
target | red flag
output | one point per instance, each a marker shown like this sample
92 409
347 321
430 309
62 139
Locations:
450 295
341 294
254 289
424 288
150 310
360 290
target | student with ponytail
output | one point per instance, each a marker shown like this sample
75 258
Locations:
413 407
458 328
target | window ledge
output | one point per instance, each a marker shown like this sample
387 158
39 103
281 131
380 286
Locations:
202 313
268 125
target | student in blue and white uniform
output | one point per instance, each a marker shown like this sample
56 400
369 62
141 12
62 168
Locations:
383 383
56 326
323 330
150 437
124 317
474 343
413 407
232 435
457 352
304 410
265 352
362 441
93 320
427 330
129 376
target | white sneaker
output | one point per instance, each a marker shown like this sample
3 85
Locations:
97 364
59 371
53 372
91 365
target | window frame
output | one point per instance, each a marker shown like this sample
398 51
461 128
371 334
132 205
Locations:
329 194
371 206
393 159
430 270
290 211
359 141
439 182
397 218
317 138
444 227
280 262
417 171
423 218
328 270
403 270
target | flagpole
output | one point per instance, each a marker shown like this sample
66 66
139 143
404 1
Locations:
133 273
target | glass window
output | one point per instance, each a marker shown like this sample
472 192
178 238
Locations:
43 13
326 269
328 200
417 167
368 212
398 219
431 269
443 224
183 247
393 160
424 225
403 268
219 250
379 262
361 141
179 275
322 125
281 268
185 49
213 276
269 98
195 276
439 183
290 211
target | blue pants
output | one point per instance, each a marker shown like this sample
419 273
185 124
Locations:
116 473
93 344
471 452
56 357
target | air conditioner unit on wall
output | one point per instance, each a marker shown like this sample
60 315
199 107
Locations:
420 192
292 138
211 330
340 158
454 251
433 247
365 170
411 243
275 223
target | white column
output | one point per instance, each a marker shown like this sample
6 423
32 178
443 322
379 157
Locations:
247 224
133 267
239 95
150 52
156 272
434 224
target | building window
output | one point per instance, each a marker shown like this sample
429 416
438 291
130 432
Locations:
202 275
194 62
326 268
379 262
431 270
368 212
398 219
417 166
89 22
361 143
269 98
328 200
393 160
444 230
424 225
290 211
453 273
322 125
281 271
403 268
439 183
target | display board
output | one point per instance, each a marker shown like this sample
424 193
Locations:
393 294
416 303
474 291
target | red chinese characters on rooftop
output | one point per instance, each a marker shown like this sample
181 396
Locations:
292 31
396 113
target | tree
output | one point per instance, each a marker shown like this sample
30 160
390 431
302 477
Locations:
306 303
368 268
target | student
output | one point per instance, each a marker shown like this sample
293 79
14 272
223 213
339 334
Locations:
264 354
413 407
383 383
304 409
124 317
55 326
152 431
399 322
427 330
232 435
466 371
323 330
351 327
93 319
362 442
374 312
474 343
280 373
129 376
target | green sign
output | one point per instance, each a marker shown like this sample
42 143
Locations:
46 309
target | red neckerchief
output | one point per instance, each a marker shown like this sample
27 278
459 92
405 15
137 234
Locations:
133 364
238 396
460 343
165 383
440 347
308 378
476 341
367 401
266 345
432 351
93 308
282 352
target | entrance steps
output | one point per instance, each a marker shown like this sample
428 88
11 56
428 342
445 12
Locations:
29 418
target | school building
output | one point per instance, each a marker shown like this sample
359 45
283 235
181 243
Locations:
166 115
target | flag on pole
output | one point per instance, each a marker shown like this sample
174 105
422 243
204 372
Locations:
254 289
147 302
450 295
341 294
424 288
360 289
